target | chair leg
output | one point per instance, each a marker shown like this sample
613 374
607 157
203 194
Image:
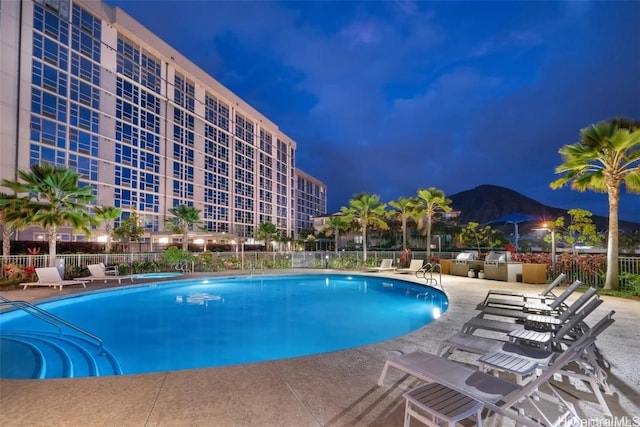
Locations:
407 414
383 373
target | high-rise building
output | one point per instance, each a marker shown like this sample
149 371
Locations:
311 200
86 86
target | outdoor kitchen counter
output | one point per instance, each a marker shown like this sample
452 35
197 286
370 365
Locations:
505 271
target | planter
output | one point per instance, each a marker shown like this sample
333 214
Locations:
445 266
481 274
534 273
471 274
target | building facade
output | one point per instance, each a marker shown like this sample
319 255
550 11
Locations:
311 200
87 87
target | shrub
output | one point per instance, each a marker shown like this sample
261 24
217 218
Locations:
174 255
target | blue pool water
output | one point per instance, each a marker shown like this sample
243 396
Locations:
200 323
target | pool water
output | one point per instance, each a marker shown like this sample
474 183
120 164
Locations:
199 323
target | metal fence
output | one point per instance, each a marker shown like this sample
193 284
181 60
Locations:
244 260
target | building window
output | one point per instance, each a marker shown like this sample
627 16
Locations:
244 129
216 112
52 21
184 92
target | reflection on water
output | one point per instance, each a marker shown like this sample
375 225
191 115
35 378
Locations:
198 298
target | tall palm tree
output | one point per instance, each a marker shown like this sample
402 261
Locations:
13 217
267 231
403 208
367 210
53 198
429 203
336 225
107 215
606 157
184 219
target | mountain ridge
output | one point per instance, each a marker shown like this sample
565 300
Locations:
485 203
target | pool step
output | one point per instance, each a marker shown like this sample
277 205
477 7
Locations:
37 354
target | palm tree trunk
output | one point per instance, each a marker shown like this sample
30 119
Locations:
364 243
428 238
336 245
53 230
107 246
611 281
6 240
404 233
108 228
185 241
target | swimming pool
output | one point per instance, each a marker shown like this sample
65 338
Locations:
200 323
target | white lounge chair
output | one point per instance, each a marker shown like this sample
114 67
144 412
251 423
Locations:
537 323
590 372
97 273
497 296
498 395
385 265
111 270
491 306
49 276
547 340
414 265
530 310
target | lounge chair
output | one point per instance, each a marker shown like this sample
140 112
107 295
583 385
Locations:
495 296
385 265
414 265
529 310
590 362
97 273
498 395
482 345
111 270
537 323
49 276
497 304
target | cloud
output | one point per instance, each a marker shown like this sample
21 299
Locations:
512 41
366 33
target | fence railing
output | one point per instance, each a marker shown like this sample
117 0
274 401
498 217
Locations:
254 261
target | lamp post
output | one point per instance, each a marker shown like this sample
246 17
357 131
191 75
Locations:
551 228
553 252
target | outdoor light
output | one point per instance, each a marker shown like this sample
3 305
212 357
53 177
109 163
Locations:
326 261
200 242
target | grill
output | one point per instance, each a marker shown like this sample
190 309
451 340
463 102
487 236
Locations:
466 256
498 256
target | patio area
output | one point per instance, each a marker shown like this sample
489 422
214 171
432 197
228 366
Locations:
332 389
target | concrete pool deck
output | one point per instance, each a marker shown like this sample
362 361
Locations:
332 389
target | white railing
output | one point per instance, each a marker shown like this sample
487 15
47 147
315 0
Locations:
71 261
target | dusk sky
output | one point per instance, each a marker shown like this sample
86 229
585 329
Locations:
388 97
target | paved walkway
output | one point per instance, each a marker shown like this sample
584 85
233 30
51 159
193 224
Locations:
333 389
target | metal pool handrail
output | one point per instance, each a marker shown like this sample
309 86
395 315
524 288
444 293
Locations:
49 318
426 273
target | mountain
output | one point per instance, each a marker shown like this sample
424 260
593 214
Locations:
488 202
